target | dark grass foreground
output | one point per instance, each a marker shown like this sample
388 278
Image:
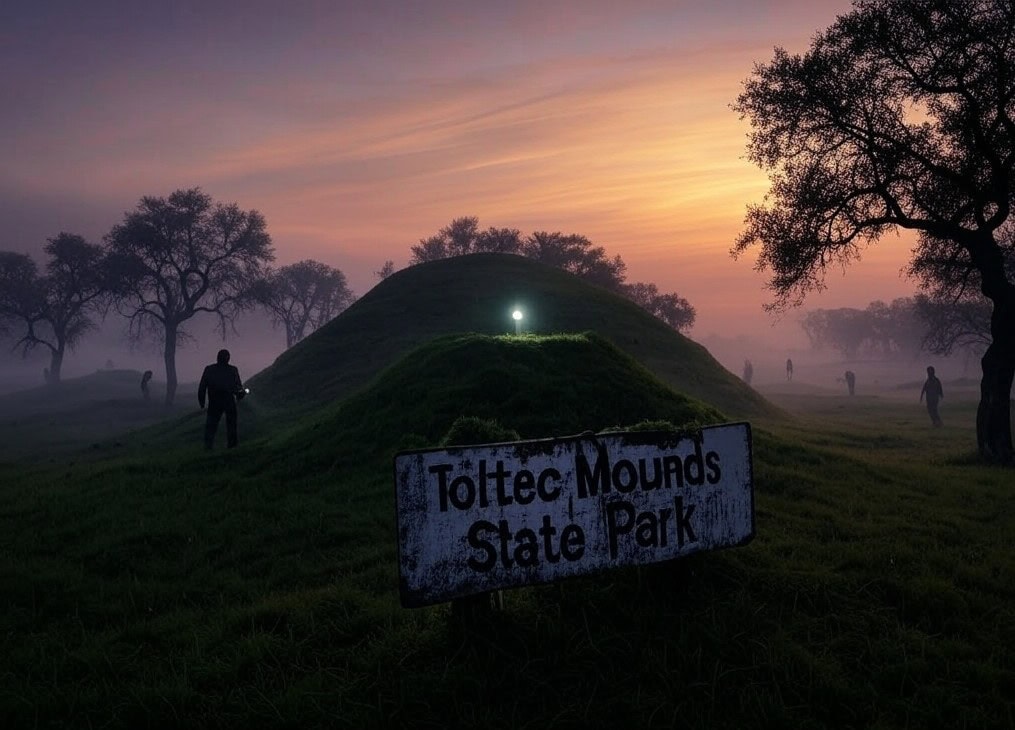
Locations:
258 588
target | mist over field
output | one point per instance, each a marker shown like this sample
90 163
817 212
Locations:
585 364
254 346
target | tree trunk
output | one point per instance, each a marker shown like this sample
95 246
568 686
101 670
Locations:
55 364
170 357
993 416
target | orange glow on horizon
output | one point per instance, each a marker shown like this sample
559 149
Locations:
633 145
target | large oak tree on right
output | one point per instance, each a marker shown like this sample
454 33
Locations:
900 115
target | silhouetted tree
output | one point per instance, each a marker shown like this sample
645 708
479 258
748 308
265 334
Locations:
953 306
55 310
571 252
386 270
177 257
949 324
303 297
462 236
575 253
905 327
900 115
499 240
19 290
908 328
844 329
674 310
896 328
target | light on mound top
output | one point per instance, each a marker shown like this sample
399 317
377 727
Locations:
516 315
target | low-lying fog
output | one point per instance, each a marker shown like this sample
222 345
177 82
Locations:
256 344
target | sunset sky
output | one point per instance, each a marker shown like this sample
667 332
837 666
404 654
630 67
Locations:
359 128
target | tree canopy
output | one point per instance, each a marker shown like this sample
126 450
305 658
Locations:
899 116
177 257
56 309
303 297
462 236
571 252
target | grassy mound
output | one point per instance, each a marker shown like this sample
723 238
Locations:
537 386
477 294
258 587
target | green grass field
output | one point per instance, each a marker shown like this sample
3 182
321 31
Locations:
146 582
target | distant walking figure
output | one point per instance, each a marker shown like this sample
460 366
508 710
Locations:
851 381
934 392
789 369
144 383
748 371
221 383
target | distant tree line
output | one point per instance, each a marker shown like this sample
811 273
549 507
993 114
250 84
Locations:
168 261
903 328
571 252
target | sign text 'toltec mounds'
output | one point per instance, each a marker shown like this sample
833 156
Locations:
479 518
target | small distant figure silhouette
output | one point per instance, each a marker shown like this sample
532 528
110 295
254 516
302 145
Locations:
934 392
110 365
748 371
221 383
851 381
144 383
789 369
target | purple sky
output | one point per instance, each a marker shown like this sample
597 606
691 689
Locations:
359 128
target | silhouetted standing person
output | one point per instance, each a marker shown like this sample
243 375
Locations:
144 383
748 371
934 392
789 369
851 382
221 382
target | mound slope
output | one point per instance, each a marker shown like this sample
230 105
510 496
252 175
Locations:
539 386
477 294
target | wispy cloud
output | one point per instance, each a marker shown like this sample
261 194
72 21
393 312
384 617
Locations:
357 133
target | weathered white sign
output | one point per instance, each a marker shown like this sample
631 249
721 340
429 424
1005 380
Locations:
480 518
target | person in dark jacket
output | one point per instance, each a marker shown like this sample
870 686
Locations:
934 392
221 383
144 384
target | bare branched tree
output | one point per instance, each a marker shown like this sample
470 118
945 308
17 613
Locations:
177 257
672 309
461 237
571 252
577 254
55 310
303 297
